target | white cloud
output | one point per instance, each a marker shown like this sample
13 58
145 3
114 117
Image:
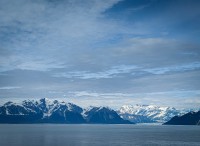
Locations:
9 87
25 63
178 99
110 73
134 70
39 65
50 30
177 68
78 41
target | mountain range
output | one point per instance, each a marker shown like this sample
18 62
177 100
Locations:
53 111
148 113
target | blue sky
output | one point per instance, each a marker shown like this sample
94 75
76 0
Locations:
108 52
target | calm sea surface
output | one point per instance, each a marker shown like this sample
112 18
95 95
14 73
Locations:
98 135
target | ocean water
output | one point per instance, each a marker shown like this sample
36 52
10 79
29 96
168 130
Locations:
98 135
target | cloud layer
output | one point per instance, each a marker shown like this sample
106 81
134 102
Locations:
116 50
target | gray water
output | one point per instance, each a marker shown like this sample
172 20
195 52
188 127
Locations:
98 135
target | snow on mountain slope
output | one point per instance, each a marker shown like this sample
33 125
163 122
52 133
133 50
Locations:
103 115
44 107
53 111
147 113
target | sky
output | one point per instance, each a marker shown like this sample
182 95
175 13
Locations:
101 52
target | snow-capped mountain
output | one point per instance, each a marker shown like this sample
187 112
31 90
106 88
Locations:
103 115
147 113
54 111
40 111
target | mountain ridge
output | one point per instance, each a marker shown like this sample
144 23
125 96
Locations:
54 111
190 118
148 113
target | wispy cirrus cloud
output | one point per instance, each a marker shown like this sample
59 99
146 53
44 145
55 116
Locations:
110 73
174 69
9 87
40 65
133 70
25 63
169 98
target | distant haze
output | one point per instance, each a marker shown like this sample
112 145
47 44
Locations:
101 52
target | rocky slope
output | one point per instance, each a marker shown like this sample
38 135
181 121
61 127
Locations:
53 111
103 115
191 118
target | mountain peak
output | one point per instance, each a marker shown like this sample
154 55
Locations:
54 111
8 103
44 100
104 115
147 113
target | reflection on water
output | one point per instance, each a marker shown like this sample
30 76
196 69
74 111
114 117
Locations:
98 135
